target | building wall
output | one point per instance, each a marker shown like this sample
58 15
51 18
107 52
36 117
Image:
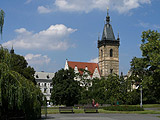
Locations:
107 63
44 82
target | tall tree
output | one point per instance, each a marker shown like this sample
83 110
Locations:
20 65
147 68
2 14
18 96
66 91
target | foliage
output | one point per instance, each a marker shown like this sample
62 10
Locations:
2 14
66 91
17 94
123 108
147 69
20 65
84 77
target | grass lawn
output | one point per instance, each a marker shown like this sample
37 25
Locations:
148 105
56 111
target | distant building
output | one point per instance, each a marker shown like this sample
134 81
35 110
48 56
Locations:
108 58
108 48
77 66
44 81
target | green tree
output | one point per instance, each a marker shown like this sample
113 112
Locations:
112 89
147 68
97 90
20 65
2 14
66 90
18 96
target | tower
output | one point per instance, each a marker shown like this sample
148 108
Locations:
12 50
108 50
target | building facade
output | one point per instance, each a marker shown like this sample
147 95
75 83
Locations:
108 48
77 66
44 81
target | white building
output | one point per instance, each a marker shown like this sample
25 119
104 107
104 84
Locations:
44 81
93 68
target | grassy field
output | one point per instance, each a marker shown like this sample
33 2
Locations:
148 105
55 110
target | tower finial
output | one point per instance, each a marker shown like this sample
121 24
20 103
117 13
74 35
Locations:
107 11
108 17
98 36
118 36
12 50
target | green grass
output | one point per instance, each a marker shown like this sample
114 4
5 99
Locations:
56 111
146 105
123 108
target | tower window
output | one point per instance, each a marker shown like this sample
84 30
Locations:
111 52
111 71
101 53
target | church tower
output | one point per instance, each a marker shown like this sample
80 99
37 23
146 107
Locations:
108 50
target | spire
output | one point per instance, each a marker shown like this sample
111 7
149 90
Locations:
98 36
108 31
118 36
12 50
108 17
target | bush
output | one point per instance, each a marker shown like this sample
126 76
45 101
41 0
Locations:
123 108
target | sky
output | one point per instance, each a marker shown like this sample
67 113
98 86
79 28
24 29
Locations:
47 32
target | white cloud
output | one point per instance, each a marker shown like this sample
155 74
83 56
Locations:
121 6
28 1
39 62
148 25
42 9
95 60
37 59
53 38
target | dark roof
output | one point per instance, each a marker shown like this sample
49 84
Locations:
108 32
108 37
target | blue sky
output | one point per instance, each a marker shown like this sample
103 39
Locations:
47 32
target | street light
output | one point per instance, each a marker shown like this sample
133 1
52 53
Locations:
141 105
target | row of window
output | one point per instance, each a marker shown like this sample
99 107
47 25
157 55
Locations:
111 52
45 84
111 71
45 90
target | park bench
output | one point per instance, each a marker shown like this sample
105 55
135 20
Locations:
90 109
66 109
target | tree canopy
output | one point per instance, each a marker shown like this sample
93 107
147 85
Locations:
18 96
20 65
147 68
66 91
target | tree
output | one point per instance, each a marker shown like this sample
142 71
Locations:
147 68
2 14
66 91
97 90
20 65
18 96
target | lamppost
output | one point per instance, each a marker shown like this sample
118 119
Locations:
141 105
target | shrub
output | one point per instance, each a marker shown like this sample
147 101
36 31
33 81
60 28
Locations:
123 108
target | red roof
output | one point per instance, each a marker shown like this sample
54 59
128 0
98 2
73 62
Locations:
82 65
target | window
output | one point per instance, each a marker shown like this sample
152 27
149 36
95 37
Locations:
45 90
51 90
111 52
44 84
39 84
37 76
111 71
101 53
47 76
